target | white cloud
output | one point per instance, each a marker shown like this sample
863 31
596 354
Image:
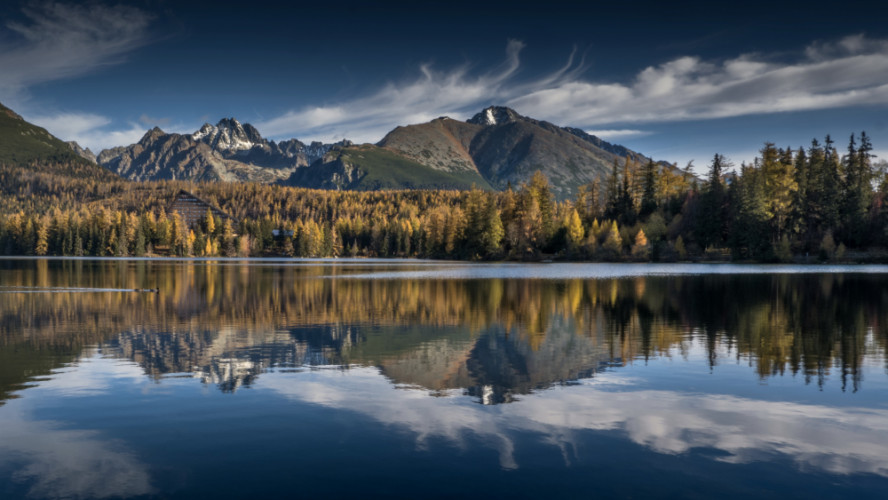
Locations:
65 40
849 72
89 130
608 134
98 132
691 89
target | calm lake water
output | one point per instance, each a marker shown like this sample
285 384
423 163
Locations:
410 379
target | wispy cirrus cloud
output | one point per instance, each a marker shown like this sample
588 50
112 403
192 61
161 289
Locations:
59 40
432 94
850 72
56 41
844 73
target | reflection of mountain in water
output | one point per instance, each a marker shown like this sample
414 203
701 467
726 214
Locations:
493 364
496 338
229 358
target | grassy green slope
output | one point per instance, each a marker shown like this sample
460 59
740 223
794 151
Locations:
25 144
384 169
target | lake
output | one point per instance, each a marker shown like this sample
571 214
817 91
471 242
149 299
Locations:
421 379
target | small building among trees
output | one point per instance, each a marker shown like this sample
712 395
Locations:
193 210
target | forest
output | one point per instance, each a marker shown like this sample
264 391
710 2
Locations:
805 205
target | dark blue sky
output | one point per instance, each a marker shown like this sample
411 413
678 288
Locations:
679 82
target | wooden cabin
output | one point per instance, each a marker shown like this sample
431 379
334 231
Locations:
193 210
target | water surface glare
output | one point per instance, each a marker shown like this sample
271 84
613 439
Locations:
423 379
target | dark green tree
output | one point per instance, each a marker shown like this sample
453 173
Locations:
648 189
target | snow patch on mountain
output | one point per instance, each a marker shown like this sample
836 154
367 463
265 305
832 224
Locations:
229 135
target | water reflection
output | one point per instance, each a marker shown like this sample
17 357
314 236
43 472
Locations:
52 460
730 429
430 363
494 338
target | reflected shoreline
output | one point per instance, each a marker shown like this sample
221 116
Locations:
493 337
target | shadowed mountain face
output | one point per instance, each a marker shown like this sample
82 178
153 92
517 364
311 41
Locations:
369 167
495 339
506 148
495 148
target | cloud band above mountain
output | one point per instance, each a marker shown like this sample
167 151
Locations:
849 72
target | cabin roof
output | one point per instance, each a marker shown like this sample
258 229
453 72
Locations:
193 208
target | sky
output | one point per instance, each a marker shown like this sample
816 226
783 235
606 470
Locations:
675 81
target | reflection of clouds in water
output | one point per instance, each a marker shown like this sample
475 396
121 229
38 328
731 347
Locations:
366 391
69 463
91 375
836 440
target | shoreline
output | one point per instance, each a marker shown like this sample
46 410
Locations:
868 260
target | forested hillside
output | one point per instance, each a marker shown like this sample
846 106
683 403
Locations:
787 204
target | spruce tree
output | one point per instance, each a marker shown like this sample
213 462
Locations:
648 189
711 225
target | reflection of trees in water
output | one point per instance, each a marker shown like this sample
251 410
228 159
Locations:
228 322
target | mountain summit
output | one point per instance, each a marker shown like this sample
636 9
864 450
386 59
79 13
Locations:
495 115
229 135
227 151
504 147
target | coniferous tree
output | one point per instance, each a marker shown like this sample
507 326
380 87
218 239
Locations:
612 193
493 229
831 187
626 205
857 190
711 229
649 190
542 192
750 237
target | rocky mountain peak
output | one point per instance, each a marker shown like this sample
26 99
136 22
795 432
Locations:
83 153
495 115
152 135
229 135
230 122
203 131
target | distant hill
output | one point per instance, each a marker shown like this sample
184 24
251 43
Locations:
503 147
32 148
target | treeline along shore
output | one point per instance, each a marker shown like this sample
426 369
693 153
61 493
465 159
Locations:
812 204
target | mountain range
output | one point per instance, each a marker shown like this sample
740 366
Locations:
227 151
494 149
